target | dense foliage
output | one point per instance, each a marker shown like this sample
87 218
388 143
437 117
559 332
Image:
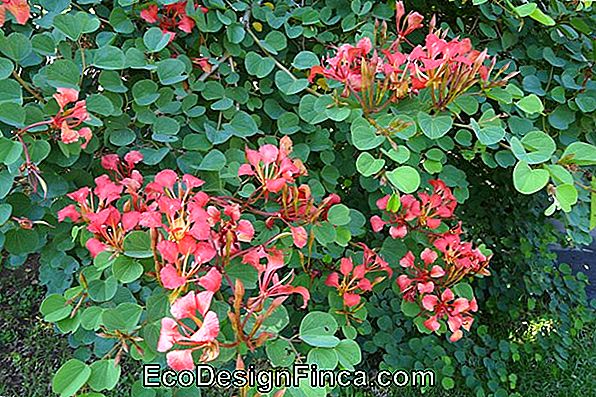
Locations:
147 157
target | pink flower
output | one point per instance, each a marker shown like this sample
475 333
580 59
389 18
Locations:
70 212
65 96
166 179
245 231
377 223
407 260
170 278
95 246
211 281
299 236
351 300
149 14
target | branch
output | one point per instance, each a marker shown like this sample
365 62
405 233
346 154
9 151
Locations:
27 87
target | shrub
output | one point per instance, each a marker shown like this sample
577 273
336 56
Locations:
161 130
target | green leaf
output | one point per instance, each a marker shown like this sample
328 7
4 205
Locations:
54 308
525 9
541 17
404 178
124 317
104 375
488 135
5 213
155 40
528 181
21 241
410 309
318 328
235 33
71 376
91 318
109 58
464 290
126 270
339 214
540 147
213 161
364 135
6 68
580 153
434 127
566 195
288 85
325 359
137 244
349 353
12 114
280 353
63 73
10 151
530 104
305 60
145 92
367 165
16 46
257 65
101 291
171 71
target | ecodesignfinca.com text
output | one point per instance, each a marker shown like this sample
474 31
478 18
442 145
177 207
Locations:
265 380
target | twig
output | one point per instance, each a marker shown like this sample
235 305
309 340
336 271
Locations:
27 87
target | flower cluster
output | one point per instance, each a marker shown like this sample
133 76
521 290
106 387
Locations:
19 9
440 267
71 117
275 173
378 76
353 280
194 237
427 211
200 336
171 17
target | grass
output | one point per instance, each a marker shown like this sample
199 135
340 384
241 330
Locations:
31 352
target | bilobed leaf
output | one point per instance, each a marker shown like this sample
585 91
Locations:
325 358
434 127
527 180
404 178
280 353
155 40
71 376
171 71
580 153
367 165
104 375
318 328
126 270
137 244
288 85
530 104
349 353
566 195
257 65
109 58
10 151
534 148
364 135
213 161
